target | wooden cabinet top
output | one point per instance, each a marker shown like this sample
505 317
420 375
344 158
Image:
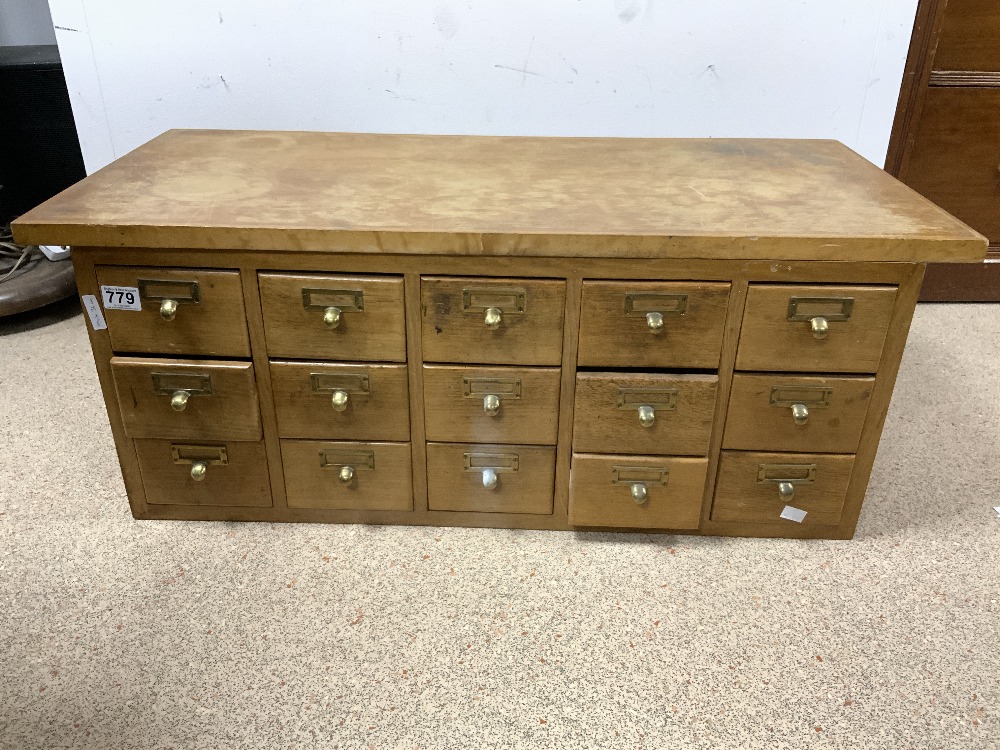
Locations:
426 194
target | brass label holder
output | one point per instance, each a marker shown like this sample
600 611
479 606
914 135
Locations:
346 300
498 462
215 455
813 396
649 475
509 301
831 308
661 399
786 473
505 388
358 384
181 292
637 304
337 459
168 383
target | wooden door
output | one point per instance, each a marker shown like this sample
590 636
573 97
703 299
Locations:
946 136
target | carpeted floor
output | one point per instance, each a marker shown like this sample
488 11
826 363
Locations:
121 634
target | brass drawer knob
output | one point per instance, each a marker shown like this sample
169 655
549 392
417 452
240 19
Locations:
786 491
820 327
339 400
346 474
493 317
168 309
491 404
198 470
639 493
179 400
647 415
332 316
800 413
490 479
655 321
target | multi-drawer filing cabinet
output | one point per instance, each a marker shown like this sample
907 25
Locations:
698 336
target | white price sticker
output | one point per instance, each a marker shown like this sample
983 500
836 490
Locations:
93 308
121 298
793 514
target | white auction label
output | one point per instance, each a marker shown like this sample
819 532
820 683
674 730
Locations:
121 298
93 308
793 514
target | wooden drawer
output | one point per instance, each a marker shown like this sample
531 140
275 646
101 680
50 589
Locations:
208 317
749 487
652 324
461 322
186 399
643 492
333 317
778 326
797 413
232 473
494 404
644 413
330 401
458 477
347 476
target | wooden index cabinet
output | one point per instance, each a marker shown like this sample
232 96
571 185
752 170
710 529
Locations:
698 336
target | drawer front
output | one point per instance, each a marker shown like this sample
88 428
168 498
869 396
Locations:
494 404
492 321
652 324
333 317
329 401
793 328
187 399
204 473
490 478
797 413
642 492
644 413
184 311
347 476
756 487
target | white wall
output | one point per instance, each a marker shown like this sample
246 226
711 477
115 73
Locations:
766 68
25 22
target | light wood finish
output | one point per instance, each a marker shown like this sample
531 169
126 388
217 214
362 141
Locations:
632 197
221 404
242 481
312 477
694 315
673 502
567 395
770 341
303 401
527 490
414 345
454 327
215 326
607 413
740 497
375 333
454 404
760 416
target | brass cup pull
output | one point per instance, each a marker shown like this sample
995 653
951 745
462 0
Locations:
655 321
339 400
346 474
493 317
820 327
179 400
198 470
647 415
332 316
490 479
168 309
786 491
491 404
639 493
800 413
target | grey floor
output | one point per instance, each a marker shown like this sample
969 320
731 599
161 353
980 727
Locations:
123 634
